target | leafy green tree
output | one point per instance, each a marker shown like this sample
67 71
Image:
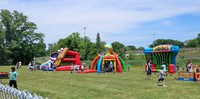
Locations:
132 56
85 48
167 41
119 49
20 42
74 42
98 43
193 42
71 42
141 48
131 47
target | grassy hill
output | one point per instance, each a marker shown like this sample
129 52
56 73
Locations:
127 85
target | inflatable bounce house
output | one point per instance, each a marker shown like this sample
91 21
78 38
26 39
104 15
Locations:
189 76
108 56
162 53
66 58
63 59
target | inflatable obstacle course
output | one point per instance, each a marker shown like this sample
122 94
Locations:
66 58
62 59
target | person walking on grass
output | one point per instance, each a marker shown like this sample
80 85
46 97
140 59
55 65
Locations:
161 77
149 65
13 78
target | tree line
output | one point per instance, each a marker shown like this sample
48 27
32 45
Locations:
20 42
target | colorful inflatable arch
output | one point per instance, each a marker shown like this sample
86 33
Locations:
66 58
162 53
108 55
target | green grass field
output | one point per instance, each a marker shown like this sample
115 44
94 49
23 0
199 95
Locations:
127 85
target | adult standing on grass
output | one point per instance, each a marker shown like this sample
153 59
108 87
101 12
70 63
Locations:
13 78
149 65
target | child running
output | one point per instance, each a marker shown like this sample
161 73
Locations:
161 77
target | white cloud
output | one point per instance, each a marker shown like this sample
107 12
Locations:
58 19
167 23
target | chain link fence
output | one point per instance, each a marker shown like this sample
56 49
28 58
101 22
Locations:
7 92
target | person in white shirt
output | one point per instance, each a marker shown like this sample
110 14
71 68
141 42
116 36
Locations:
20 64
164 67
189 67
111 66
161 77
77 67
82 67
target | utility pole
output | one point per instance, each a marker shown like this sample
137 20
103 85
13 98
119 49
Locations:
84 31
153 38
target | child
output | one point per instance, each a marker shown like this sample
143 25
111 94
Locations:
30 67
54 67
72 68
47 67
20 64
164 67
84 64
161 77
111 66
82 67
149 69
77 68
17 65
128 66
13 78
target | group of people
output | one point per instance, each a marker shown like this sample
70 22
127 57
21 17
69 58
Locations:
108 66
76 67
191 68
32 67
161 75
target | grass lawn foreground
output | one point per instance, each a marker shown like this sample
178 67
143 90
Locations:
126 85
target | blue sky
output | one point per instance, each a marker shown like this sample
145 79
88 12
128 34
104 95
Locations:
131 22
